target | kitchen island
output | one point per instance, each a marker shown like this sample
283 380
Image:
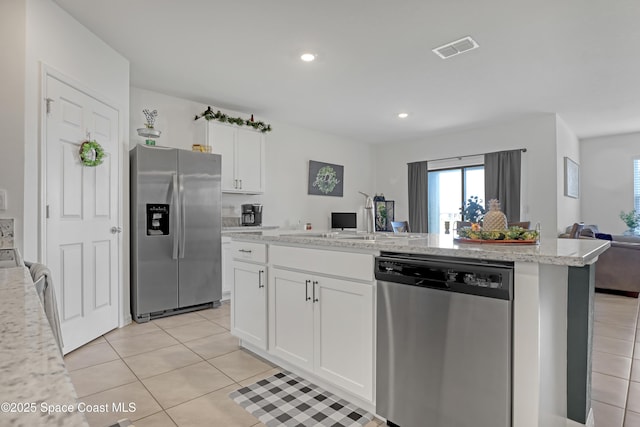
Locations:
552 312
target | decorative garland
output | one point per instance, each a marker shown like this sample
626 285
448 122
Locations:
91 153
221 117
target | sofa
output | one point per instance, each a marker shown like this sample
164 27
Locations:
618 268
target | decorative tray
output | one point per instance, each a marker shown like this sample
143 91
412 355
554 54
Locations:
511 236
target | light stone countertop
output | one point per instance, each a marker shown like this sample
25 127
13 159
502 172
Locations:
31 367
569 252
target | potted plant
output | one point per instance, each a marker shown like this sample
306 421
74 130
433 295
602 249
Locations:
632 220
473 210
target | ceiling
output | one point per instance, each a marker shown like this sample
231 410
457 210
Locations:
577 58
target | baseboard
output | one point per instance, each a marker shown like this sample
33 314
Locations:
630 294
125 321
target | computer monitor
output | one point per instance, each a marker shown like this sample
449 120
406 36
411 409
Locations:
343 220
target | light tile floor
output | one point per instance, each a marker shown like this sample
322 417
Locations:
178 371
616 362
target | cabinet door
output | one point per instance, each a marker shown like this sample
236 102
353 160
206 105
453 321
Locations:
291 317
343 331
249 303
251 160
222 139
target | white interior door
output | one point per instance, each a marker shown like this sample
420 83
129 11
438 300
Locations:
82 205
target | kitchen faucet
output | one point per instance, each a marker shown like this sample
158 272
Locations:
368 213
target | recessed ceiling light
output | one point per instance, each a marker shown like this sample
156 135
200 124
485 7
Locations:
307 57
403 115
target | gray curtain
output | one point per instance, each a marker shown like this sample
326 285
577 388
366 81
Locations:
502 181
418 197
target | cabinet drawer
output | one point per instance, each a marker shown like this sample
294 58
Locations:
247 251
334 263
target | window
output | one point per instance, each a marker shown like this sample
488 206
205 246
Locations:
448 191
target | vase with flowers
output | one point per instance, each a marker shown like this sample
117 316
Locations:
632 220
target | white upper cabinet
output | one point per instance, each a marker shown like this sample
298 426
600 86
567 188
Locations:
250 160
243 155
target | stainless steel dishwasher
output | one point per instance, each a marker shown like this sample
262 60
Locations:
444 333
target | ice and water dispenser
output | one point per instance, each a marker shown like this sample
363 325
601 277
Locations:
157 220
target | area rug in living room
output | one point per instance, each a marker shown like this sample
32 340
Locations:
287 400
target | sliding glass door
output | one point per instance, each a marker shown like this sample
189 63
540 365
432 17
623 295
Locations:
448 191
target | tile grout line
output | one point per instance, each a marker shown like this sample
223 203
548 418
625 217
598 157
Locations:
163 409
142 384
178 342
633 350
635 320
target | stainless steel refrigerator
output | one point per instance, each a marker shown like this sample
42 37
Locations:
175 231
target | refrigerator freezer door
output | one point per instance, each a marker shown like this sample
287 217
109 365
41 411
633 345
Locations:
200 270
154 271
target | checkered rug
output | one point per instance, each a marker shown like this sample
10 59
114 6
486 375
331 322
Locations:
287 400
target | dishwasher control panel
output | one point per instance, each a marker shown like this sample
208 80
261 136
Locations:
491 279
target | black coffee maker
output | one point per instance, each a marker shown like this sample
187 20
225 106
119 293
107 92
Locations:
252 214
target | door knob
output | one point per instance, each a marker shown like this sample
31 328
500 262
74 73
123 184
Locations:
115 230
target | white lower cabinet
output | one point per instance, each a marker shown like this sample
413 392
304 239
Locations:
291 317
324 325
249 303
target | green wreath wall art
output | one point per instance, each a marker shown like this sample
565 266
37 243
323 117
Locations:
326 179
91 153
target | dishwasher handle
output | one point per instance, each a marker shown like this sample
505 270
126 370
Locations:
413 281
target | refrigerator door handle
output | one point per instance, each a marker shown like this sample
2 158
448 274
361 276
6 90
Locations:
183 225
176 214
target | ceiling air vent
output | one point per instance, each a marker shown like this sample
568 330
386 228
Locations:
455 48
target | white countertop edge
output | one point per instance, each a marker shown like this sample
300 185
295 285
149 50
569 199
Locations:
31 366
578 252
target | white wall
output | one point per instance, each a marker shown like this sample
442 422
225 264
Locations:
288 151
607 179
567 146
536 133
57 40
12 46
47 35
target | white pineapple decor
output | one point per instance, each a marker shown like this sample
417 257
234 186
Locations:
494 219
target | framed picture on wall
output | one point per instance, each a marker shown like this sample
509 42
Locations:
571 178
325 179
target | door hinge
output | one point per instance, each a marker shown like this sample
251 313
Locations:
48 104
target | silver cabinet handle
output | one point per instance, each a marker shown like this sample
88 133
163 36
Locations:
260 273
115 230
315 282
246 251
240 184
306 290
235 183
